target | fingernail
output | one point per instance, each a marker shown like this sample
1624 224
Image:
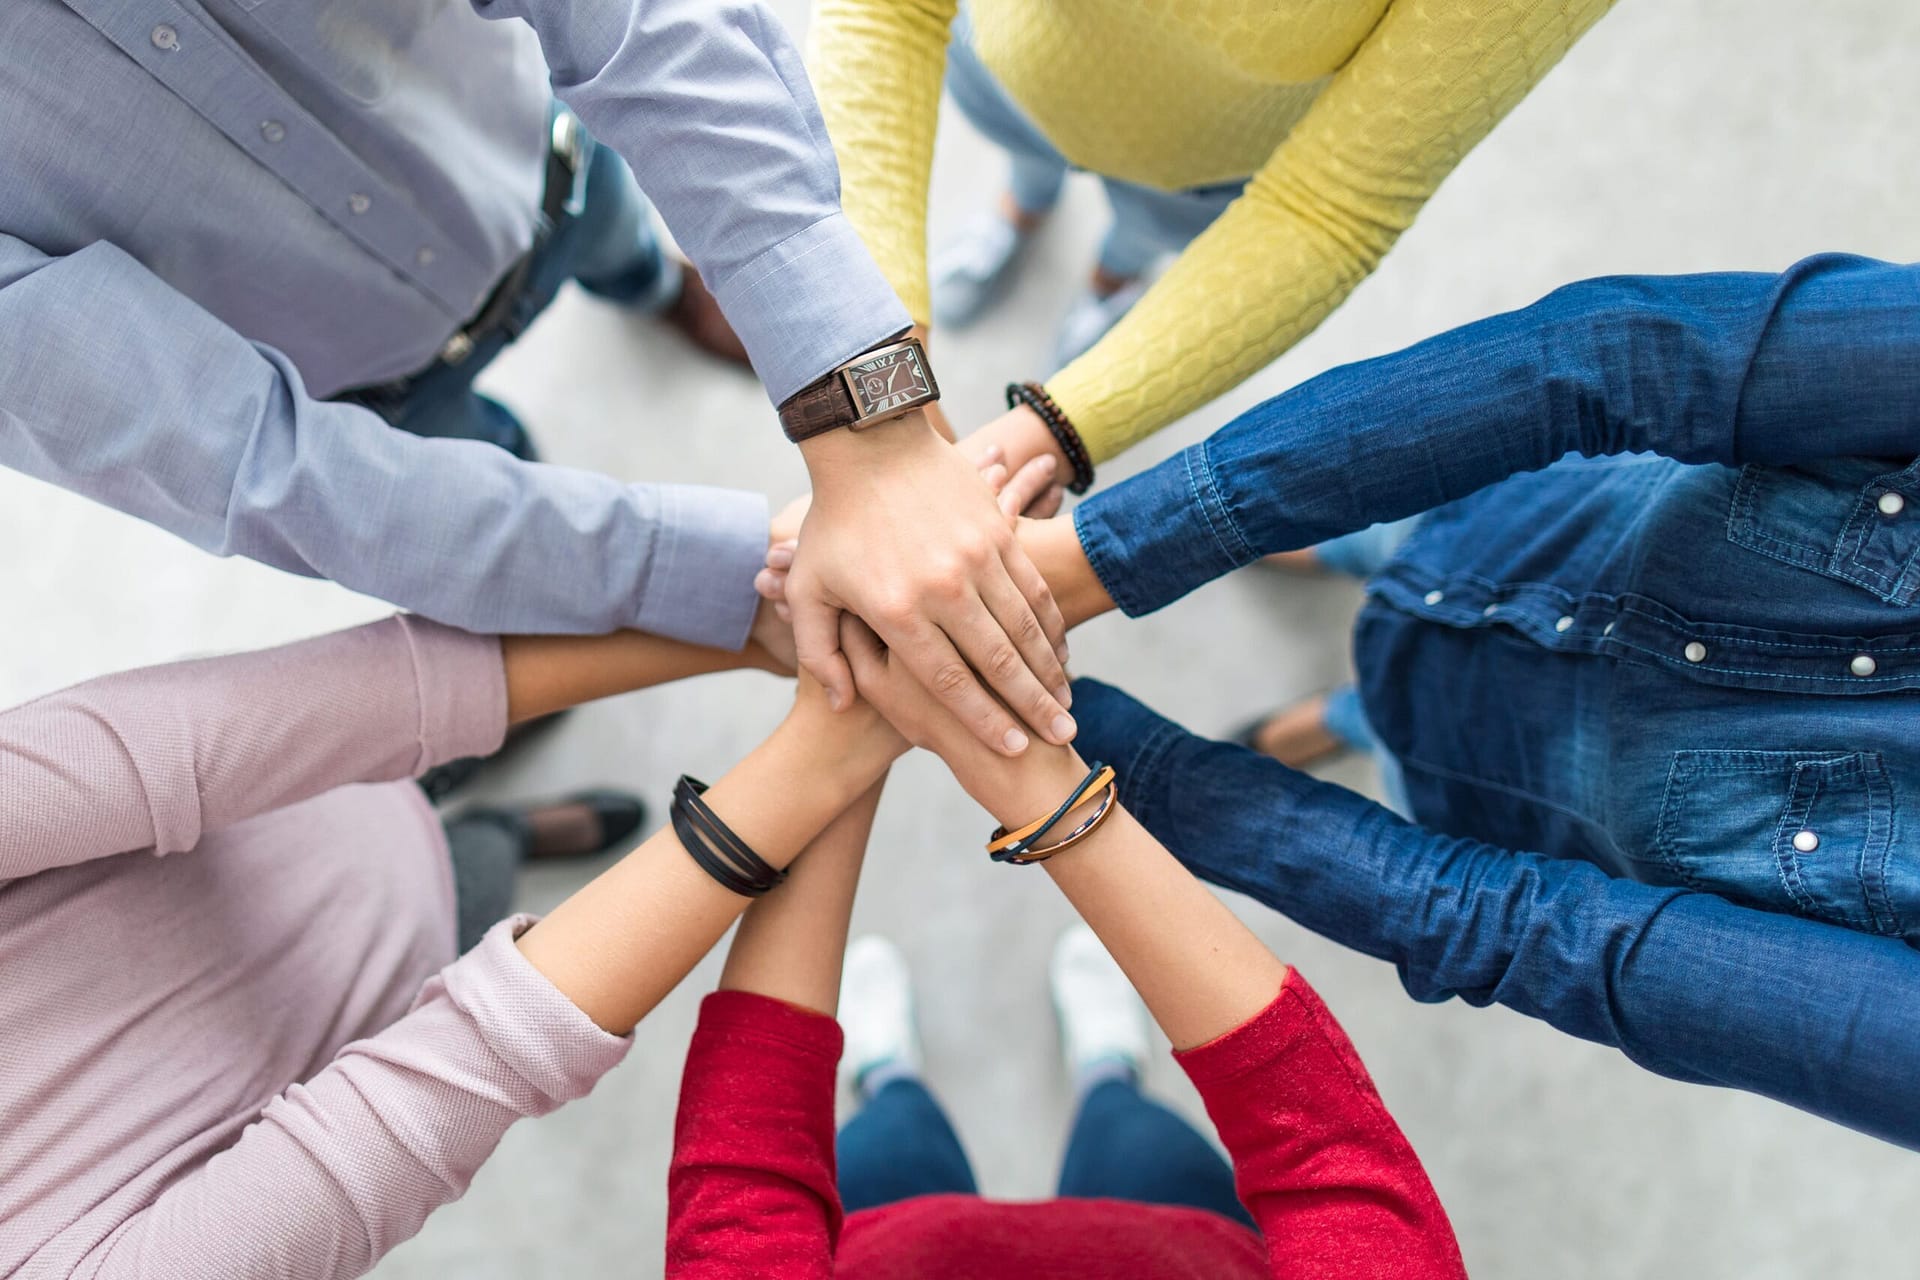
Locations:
1063 728
783 612
993 454
1016 741
780 558
1064 696
1062 654
1048 463
836 699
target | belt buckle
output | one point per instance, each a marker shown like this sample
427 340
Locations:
570 148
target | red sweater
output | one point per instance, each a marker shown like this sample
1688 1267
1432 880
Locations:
1325 1170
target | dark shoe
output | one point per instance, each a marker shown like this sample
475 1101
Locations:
443 781
505 429
583 825
697 315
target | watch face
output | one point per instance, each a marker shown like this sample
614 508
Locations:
891 380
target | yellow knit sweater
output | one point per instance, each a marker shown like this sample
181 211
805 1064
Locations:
1347 114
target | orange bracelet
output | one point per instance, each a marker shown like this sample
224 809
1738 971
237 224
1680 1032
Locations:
1012 846
1082 832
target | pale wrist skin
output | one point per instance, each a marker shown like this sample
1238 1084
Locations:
1054 547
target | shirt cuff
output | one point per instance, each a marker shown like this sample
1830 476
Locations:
1271 1034
810 304
544 1037
462 683
710 545
728 1016
1161 534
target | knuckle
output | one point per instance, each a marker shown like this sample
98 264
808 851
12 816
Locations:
951 678
1028 628
1003 664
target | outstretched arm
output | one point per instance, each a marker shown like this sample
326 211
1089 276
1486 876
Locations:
751 1191
1317 1158
157 758
344 1166
1822 361
1684 983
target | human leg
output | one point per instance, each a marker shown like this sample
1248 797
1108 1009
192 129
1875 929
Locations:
900 1143
488 845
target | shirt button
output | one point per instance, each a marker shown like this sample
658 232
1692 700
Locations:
1806 841
273 131
1892 504
1696 652
1435 597
1490 610
165 37
424 257
359 203
1565 624
1863 665
1608 629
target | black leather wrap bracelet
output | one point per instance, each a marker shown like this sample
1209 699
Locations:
713 845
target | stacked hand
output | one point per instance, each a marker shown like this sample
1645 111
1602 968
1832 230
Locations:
974 605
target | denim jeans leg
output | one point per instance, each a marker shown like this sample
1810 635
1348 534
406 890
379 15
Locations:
900 1145
1128 1147
617 254
1149 224
1038 171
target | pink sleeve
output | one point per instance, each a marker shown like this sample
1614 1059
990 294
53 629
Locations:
751 1191
155 759
1325 1170
339 1170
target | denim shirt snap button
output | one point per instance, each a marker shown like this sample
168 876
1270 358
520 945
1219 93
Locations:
1434 597
1806 841
1696 652
1863 665
1564 624
1892 504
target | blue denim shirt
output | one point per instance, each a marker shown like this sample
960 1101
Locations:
218 214
1697 670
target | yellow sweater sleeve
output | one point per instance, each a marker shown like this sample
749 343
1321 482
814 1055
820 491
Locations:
1429 82
877 67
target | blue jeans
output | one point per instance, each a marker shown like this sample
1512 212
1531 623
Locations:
1657 702
1123 1147
611 246
1147 222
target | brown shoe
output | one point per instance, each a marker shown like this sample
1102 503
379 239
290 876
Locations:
697 315
1296 736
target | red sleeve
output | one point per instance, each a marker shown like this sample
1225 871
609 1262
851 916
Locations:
1325 1170
751 1191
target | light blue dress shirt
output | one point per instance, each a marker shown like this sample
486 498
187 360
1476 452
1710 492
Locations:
217 213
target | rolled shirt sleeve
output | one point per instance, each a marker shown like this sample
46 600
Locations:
708 102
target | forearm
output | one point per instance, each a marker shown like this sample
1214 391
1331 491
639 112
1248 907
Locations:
618 946
791 945
1823 361
551 673
1199 970
709 104
1685 984
878 66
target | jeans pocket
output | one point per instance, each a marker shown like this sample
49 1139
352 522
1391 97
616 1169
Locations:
1810 833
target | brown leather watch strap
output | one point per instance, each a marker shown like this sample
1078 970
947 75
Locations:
817 408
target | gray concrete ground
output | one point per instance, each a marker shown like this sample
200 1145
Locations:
1679 136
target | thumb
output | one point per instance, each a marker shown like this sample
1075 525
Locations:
816 642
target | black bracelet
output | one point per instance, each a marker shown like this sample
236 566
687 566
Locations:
1035 397
714 847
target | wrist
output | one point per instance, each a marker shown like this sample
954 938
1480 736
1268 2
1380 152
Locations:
1032 786
836 454
1054 547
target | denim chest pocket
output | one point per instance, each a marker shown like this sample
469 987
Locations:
1805 833
1851 519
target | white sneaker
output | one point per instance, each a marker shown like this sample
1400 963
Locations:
1088 320
1102 1021
876 1012
973 270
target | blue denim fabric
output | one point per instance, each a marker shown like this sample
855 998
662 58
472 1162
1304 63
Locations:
1684 983
1124 1146
1700 670
1147 222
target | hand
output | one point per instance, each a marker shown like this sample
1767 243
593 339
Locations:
904 535
1006 788
860 727
1019 438
770 642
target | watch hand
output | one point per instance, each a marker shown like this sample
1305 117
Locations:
891 377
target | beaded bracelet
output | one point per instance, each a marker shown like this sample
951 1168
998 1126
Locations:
713 845
1019 846
1035 397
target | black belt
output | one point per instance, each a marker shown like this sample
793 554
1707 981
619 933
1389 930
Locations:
564 197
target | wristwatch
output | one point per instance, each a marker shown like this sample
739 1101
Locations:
874 387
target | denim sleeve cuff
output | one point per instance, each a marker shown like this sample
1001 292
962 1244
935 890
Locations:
1159 535
809 304
700 587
